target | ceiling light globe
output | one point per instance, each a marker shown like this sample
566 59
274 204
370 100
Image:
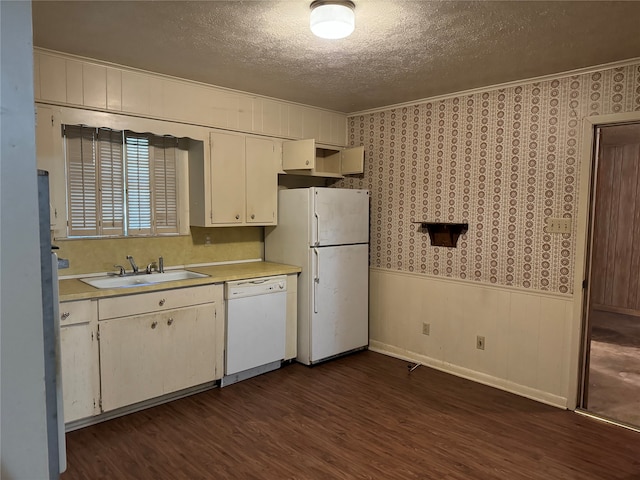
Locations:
332 20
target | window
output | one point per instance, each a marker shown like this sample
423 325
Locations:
120 183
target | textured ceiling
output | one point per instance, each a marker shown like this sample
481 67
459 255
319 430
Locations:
401 50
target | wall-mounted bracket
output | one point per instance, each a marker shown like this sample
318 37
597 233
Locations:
443 234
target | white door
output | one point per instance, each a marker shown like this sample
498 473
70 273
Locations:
340 299
340 216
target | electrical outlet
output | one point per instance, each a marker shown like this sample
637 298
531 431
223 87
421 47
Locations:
558 225
480 342
426 328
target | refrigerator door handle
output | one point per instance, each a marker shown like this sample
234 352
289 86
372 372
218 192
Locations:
316 280
317 239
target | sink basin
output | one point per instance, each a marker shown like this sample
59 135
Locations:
114 281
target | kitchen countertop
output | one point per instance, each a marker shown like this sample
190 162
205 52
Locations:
75 289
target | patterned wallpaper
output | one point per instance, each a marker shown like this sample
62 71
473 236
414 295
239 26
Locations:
502 160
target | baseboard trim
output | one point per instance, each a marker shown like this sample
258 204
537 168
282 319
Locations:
500 383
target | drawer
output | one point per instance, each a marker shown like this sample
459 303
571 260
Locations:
82 311
139 303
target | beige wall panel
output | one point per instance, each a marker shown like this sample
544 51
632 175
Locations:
74 82
523 336
338 129
256 111
295 121
114 89
245 113
325 127
94 83
36 76
271 117
53 78
552 348
310 123
135 93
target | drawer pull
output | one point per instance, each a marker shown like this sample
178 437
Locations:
162 302
65 315
154 324
170 321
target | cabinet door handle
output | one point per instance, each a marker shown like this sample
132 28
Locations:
237 217
161 302
170 321
65 315
252 216
154 324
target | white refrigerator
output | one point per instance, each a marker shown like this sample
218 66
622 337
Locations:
326 232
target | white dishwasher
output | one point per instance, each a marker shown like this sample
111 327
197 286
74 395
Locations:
256 327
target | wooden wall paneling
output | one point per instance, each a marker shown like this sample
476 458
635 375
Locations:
601 226
114 89
634 280
624 227
616 256
612 230
73 80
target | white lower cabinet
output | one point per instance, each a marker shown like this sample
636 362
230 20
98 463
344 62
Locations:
154 354
79 359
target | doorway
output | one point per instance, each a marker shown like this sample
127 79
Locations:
611 367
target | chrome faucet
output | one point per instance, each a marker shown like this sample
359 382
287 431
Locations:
121 269
151 266
133 264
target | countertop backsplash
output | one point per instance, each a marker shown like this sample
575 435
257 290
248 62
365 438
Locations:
203 245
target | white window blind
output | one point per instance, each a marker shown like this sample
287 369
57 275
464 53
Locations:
121 183
111 182
138 169
82 180
165 184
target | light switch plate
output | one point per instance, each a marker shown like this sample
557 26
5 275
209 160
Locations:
558 225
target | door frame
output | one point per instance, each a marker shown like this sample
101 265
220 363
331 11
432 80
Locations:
582 219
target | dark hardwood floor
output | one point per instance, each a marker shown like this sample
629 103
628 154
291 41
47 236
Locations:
359 417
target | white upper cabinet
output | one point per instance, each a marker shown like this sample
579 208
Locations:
237 184
306 157
227 178
67 80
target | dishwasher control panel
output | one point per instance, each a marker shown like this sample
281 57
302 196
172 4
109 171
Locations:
255 286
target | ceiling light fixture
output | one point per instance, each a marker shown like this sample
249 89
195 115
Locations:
332 19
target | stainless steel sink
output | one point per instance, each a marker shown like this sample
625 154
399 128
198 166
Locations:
114 281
